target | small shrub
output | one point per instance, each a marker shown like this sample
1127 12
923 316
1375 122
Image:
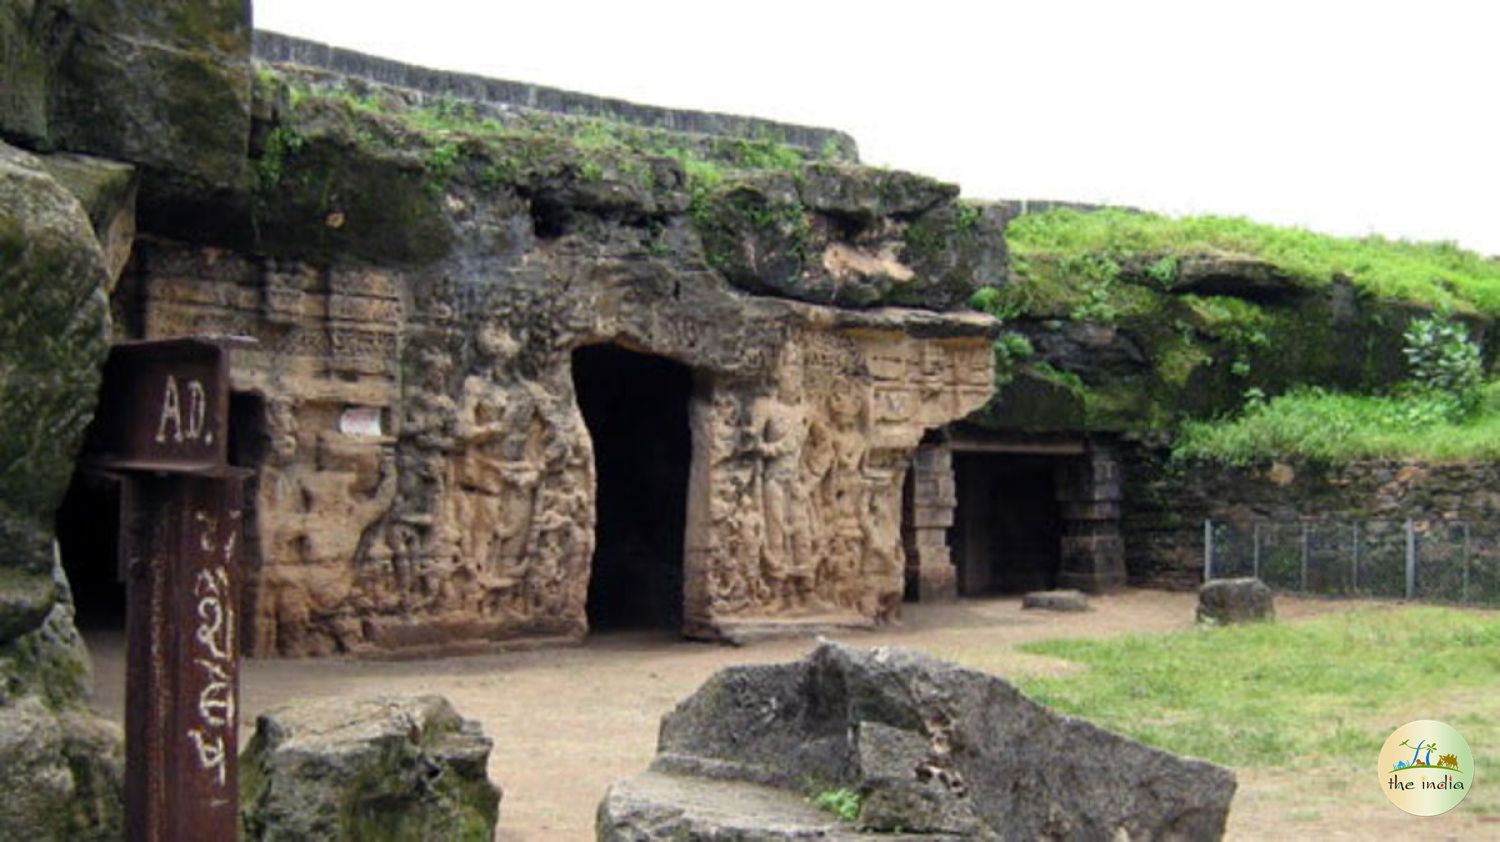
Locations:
844 803
1444 362
282 144
1011 349
1163 270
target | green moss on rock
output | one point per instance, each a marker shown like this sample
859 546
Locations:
1203 311
55 335
385 769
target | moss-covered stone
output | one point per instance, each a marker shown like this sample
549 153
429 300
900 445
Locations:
384 769
63 774
25 74
1147 349
954 248
1032 401
866 194
107 191
26 597
52 344
163 85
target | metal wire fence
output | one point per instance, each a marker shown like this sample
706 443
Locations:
1437 560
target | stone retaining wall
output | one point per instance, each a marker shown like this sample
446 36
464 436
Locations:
277 48
1168 503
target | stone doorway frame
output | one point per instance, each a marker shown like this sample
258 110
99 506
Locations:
1087 485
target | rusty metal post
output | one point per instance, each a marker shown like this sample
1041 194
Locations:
163 430
182 684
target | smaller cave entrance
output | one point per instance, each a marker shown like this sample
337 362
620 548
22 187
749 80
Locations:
1007 528
636 409
88 539
249 443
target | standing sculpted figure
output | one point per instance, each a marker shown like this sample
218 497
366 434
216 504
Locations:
492 506
778 431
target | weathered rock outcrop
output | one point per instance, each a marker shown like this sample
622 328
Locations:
1123 339
426 476
931 749
59 765
384 768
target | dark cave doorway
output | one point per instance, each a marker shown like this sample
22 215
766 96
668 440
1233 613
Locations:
249 444
1007 529
88 539
636 408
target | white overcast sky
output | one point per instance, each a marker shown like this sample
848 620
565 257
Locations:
1345 117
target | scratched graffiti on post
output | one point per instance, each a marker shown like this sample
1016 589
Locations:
178 422
213 646
162 428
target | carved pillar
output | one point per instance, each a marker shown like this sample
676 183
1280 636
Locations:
1093 553
928 512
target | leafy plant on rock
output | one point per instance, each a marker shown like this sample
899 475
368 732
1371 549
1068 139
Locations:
1445 363
844 803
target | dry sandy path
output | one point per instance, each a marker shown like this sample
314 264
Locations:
569 721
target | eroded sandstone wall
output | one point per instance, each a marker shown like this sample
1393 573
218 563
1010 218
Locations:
426 477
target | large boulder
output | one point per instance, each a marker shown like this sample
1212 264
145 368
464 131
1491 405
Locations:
54 333
163 85
384 768
930 749
61 767
1243 600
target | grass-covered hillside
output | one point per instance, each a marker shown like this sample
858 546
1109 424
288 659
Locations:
1065 249
1254 342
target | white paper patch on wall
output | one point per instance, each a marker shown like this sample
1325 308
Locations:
361 421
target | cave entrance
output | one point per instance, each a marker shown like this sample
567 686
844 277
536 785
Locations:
88 538
636 409
1007 528
249 443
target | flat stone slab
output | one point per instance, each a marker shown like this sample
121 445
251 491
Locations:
656 807
1062 600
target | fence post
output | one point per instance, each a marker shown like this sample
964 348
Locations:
1255 551
1208 550
1354 567
1304 558
1411 560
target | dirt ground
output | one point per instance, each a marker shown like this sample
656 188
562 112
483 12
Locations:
567 722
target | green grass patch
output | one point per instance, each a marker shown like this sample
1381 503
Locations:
1056 247
1333 428
1326 691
